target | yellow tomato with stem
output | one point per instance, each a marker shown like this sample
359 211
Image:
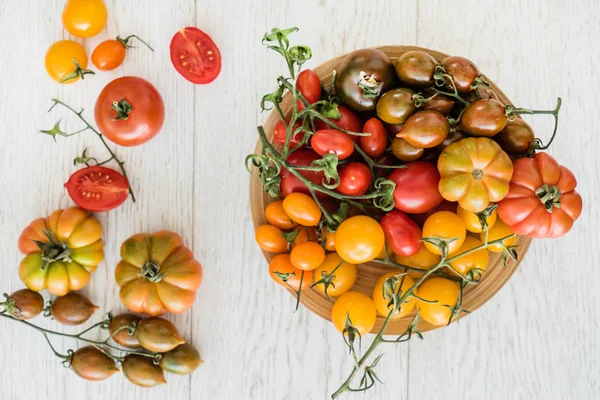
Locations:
440 296
383 303
66 61
477 260
359 239
499 231
334 276
307 256
285 274
84 18
472 222
357 309
445 225
302 209
424 259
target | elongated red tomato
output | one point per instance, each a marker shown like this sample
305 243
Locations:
331 141
195 56
416 187
355 179
375 144
402 234
309 84
291 184
97 188
280 134
349 121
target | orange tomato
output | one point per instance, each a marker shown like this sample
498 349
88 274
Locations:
339 274
307 256
359 308
108 55
302 209
424 259
276 216
445 225
359 239
498 231
383 305
445 293
84 18
477 260
304 235
282 271
329 239
472 222
66 61
269 238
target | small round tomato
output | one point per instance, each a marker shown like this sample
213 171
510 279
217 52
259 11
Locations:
276 216
375 144
92 364
121 335
195 56
84 18
182 360
307 256
24 304
415 68
97 188
472 222
142 371
416 187
334 276
302 209
440 103
402 234
445 225
129 111
383 304
291 184
158 335
329 239
66 61
462 71
356 307
396 106
484 117
309 84
355 179
442 291
425 129
388 160
109 54
349 121
269 238
285 274
405 151
332 141
477 260
72 309
359 239
499 231
443 206
516 137
424 259
305 234
280 134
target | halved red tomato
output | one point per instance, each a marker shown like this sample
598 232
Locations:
195 56
97 188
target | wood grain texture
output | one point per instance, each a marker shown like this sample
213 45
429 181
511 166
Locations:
534 340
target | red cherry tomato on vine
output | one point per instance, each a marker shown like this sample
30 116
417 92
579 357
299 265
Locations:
349 121
195 56
375 144
416 187
402 234
355 179
331 141
309 84
291 184
280 134
97 188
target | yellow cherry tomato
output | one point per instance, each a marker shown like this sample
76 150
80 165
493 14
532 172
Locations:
336 276
84 18
498 231
476 260
383 305
424 259
329 239
445 225
66 61
382 253
269 238
472 222
302 209
284 273
307 256
304 235
359 239
445 293
276 216
356 306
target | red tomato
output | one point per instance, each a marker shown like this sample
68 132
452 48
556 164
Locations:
386 159
129 111
195 56
416 187
291 184
402 234
349 121
375 144
443 206
280 134
97 188
355 179
309 84
331 141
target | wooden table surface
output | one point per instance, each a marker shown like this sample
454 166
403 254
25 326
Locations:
535 340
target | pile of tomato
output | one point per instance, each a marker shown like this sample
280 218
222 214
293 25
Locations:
465 169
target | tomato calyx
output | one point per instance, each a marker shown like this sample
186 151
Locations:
125 42
327 280
11 308
151 271
53 251
549 196
369 84
78 72
123 109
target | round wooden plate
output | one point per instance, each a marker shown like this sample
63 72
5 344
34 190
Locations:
496 275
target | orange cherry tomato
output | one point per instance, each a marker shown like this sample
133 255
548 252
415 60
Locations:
269 238
477 260
424 259
336 276
84 18
284 273
276 216
356 306
445 293
498 231
445 225
307 256
329 239
472 222
359 239
383 305
109 54
305 234
302 209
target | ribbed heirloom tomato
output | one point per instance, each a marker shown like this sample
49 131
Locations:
383 304
359 239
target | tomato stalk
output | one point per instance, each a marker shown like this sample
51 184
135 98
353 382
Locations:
78 72
512 112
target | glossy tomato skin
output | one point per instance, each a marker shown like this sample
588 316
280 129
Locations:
405 151
425 129
441 296
307 256
145 119
97 188
276 216
485 117
302 209
123 337
91 364
281 264
158 335
395 106
375 144
402 234
498 231
291 184
440 103
542 200
72 309
280 134
26 304
305 234
182 360
269 238
342 280
463 72
386 159
382 304
472 222
142 371
359 307
59 60
445 225
415 68
477 260
372 62
445 205
309 84
423 260
359 239
516 137
416 187
195 56
108 55
355 179
349 121
84 18
332 141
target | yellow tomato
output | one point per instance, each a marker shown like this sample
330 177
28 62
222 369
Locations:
302 209
445 225
329 239
382 253
444 292
84 18
476 260
340 275
472 222
498 231
307 256
383 305
424 259
359 308
359 239
276 216
59 61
